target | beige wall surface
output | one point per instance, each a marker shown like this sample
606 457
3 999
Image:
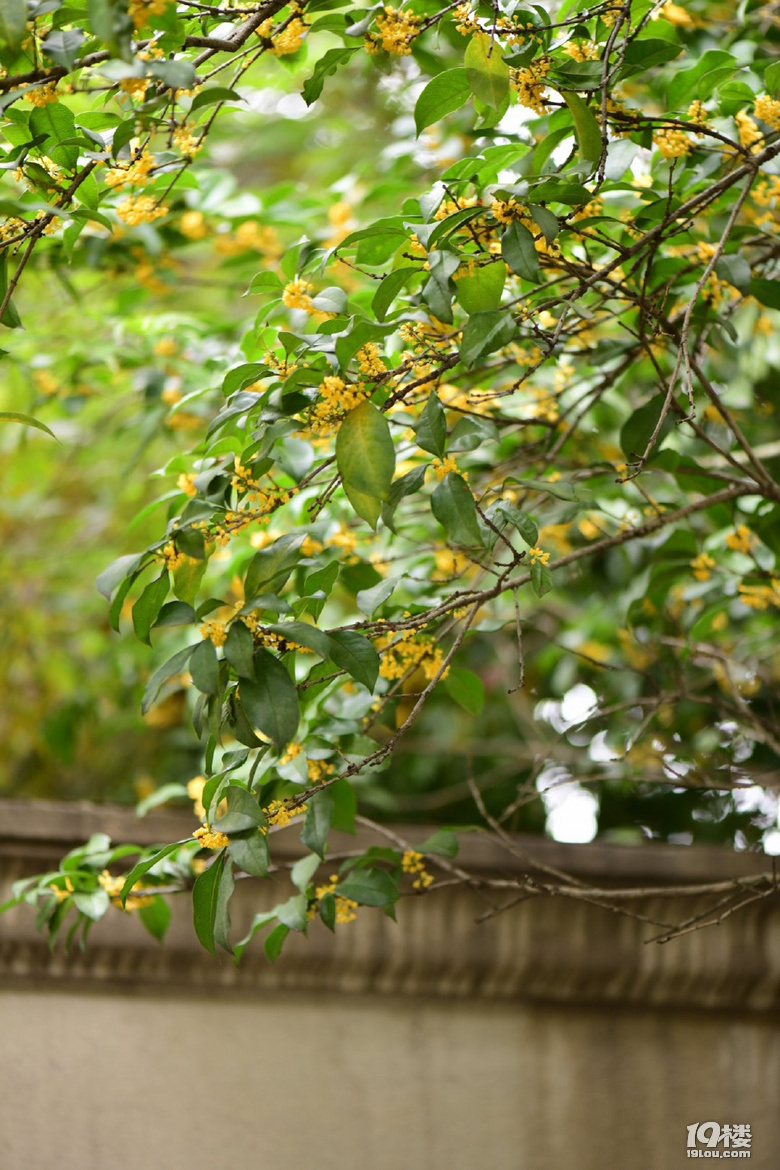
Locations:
117 1082
555 1036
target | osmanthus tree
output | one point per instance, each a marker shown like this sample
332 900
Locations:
504 413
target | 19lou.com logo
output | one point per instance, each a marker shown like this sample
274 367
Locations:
709 1139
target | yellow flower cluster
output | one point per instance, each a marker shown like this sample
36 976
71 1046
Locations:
581 50
464 20
137 209
141 11
45 382
42 95
760 596
336 399
193 225
672 143
186 139
768 110
530 85
443 467
186 483
277 813
508 211
537 554
412 863
113 887
288 40
749 133
297 295
171 557
395 32
702 566
369 361
401 653
64 891
216 631
741 539
319 771
698 114
132 174
134 87
345 907
209 838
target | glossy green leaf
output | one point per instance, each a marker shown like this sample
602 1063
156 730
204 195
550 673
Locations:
454 507
586 127
481 291
365 453
205 900
26 420
13 22
486 71
369 887
156 917
271 701
316 826
204 667
148 606
519 251
431 427
354 653
466 688
443 94
142 868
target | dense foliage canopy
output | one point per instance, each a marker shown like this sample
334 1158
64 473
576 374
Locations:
472 502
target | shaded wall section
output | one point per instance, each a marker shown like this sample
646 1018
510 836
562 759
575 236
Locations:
550 1037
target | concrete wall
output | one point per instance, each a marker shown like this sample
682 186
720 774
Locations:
550 1038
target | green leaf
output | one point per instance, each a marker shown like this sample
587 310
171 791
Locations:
546 220
293 912
344 806
271 702
204 667
355 654
270 567
586 128
390 288
275 941
27 421
250 853
304 635
481 291
13 22
470 433
156 917
239 649
466 688
54 123
243 811
365 454
317 823
766 292
368 508
148 606
519 251
327 65
213 95
454 507
10 318
446 92
442 843
541 579
637 430
61 45
369 887
173 666
222 914
143 867
524 524
431 427
484 334
369 600
304 870
179 74
205 900
486 71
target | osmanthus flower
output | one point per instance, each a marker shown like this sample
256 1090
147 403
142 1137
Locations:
209 838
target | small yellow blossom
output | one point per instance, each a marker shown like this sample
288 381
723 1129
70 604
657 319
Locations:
135 209
443 467
297 294
702 566
193 225
537 554
209 838
741 539
42 95
278 813
412 863
395 31
216 631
